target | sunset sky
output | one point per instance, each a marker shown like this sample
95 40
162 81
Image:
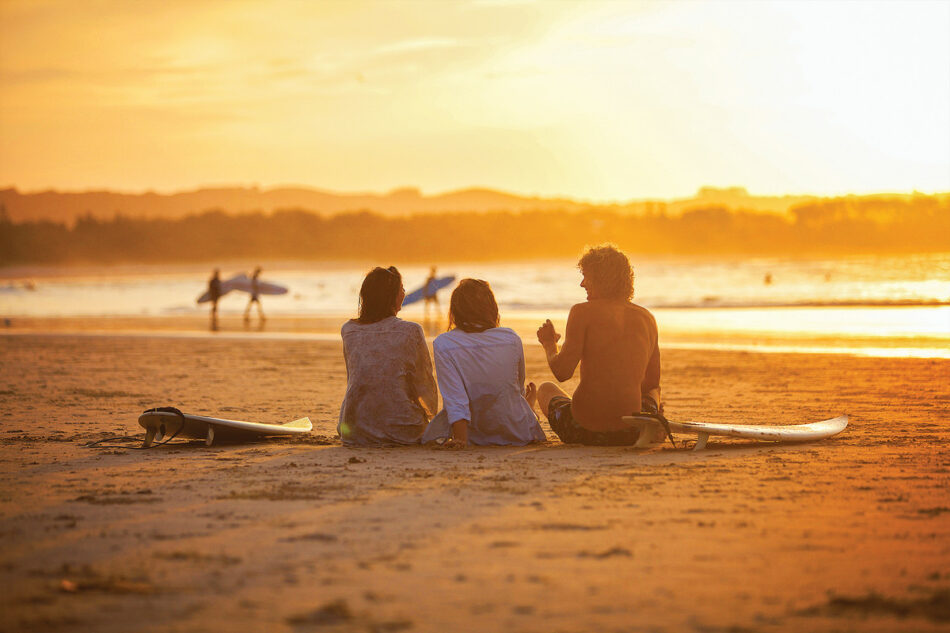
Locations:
593 100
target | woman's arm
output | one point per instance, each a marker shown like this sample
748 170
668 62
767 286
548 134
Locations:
422 379
521 366
454 396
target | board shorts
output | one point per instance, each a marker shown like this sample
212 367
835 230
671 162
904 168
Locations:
565 427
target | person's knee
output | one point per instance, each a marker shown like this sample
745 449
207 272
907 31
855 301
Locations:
550 389
547 391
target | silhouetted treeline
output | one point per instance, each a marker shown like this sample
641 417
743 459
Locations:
842 225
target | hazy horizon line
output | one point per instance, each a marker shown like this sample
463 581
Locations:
697 192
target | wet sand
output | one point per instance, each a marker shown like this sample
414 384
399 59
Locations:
846 534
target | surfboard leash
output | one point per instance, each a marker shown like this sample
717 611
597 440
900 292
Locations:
652 409
666 426
130 438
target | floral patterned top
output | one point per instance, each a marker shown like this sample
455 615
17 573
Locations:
390 390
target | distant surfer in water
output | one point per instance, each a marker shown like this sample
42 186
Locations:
214 290
255 298
430 295
615 343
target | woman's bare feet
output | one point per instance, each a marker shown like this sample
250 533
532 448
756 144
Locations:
531 394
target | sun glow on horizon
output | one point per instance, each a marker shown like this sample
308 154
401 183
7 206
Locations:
595 101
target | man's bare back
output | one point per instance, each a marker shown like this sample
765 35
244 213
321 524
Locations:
615 343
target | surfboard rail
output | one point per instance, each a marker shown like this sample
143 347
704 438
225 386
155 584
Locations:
244 283
418 293
650 430
158 424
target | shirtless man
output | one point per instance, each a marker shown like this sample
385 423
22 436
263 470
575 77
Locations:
615 342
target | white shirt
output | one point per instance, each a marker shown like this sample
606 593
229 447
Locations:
481 378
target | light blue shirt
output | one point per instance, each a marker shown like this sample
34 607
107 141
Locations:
481 378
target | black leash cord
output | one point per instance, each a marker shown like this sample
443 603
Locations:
132 438
666 426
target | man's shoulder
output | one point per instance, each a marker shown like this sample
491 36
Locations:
590 311
641 310
591 307
579 309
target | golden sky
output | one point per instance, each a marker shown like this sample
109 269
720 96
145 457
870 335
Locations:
593 100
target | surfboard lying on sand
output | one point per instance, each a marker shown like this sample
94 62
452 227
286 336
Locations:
419 293
651 431
158 424
244 283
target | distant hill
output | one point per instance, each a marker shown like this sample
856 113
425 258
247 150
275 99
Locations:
66 206
850 224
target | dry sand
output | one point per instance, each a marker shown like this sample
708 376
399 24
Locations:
846 534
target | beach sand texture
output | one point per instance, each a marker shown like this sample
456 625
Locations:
851 533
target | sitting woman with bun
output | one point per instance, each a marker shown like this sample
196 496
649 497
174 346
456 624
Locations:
390 390
481 374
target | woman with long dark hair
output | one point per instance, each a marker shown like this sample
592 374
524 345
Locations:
390 390
481 374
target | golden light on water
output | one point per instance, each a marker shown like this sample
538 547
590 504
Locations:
849 322
596 100
898 332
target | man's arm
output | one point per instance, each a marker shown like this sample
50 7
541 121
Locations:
563 362
650 387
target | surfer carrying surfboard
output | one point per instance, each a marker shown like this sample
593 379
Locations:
214 290
430 295
615 343
255 298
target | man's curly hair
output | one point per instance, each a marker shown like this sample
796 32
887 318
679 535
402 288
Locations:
608 272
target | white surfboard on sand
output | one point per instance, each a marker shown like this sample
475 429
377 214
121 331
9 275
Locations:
651 431
158 424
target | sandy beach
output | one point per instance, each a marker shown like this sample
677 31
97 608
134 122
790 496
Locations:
845 534
196 196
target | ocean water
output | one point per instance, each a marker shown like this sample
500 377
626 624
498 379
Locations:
895 305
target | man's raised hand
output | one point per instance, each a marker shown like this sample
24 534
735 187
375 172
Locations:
547 336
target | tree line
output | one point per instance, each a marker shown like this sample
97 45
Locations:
831 226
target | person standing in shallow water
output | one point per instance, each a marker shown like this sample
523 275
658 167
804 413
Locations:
615 343
430 295
214 291
255 298
481 373
390 390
